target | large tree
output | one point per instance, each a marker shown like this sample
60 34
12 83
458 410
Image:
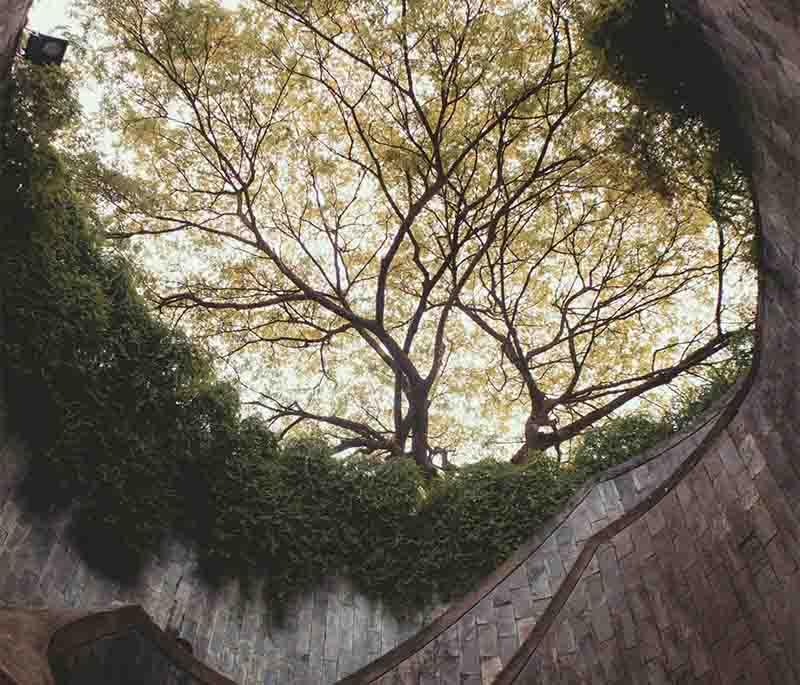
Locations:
391 196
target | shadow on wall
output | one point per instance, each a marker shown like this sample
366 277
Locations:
118 647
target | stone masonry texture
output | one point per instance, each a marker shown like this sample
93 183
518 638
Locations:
326 634
479 643
682 566
13 14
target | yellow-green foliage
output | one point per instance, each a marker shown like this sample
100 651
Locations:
130 429
128 426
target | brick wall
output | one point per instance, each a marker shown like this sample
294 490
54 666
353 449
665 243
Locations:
701 588
327 633
525 602
333 631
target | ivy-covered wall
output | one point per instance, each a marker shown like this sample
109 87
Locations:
332 631
110 405
131 454
726 533
491 633
324 634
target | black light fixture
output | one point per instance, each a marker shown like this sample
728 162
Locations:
42 49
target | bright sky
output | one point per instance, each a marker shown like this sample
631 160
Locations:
46 15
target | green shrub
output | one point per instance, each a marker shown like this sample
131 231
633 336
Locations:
616 441
114 404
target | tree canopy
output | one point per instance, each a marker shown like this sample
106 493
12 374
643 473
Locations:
131 432
403 222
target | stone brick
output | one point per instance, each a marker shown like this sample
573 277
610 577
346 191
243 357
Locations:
700 658
642 541
649 640
487 640
781 670
507 646
623 543
524 628
517 579
506 625
521 602
763 523
611 575
782 562
566 640
766 581
643 480
538 579
611 498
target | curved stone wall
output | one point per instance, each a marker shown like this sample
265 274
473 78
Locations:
483 634
698 581
702 587
333 631
680 567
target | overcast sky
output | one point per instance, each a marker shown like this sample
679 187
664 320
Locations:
46 15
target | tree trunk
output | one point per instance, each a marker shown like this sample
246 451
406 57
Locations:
419 409
534 441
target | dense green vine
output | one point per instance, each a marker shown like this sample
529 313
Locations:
129 427
663 60
682 127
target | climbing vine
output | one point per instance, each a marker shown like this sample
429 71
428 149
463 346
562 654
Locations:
681 126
